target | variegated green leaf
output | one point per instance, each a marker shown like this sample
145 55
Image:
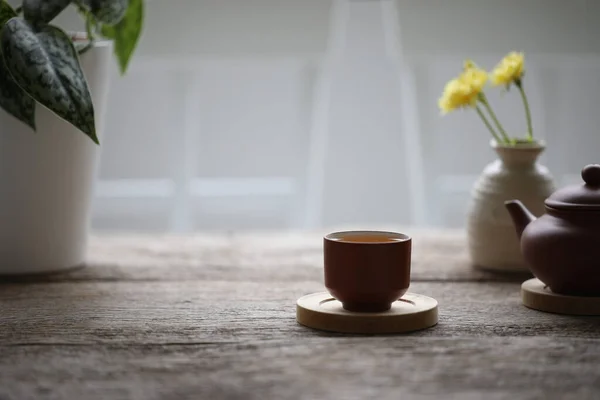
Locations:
107 11
37 11
45 64
13 99
6 12
126 33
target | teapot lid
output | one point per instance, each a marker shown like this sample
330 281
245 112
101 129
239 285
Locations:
579 197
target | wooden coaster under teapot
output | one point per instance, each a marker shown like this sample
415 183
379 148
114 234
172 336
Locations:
562 247
367 275
536 295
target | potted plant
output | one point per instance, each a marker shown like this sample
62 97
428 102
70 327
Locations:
516 173
53 93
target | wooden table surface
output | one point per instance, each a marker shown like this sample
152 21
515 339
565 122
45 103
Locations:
212 316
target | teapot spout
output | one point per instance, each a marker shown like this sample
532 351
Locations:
520 215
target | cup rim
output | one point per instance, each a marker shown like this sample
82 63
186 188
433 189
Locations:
335 237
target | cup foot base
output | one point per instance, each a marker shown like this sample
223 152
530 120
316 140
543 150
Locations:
367 307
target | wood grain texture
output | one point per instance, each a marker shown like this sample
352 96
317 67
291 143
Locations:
407 367
221 312
437 255
196 340
216 320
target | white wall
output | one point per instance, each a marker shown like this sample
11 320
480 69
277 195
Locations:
295 113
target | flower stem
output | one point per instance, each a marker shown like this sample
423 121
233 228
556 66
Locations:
519 84
483 99
487 123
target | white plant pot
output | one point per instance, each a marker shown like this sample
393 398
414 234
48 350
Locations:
491 236
47 179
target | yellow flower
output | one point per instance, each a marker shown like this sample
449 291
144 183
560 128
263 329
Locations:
456 94
468 64
509 70
464 90
475 77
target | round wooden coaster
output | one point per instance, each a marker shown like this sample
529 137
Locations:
537 296
411 313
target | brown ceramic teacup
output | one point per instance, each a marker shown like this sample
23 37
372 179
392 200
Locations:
367 270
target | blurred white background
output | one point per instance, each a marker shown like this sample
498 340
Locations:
292 114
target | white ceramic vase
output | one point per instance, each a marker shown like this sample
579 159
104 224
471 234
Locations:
47 179
516 174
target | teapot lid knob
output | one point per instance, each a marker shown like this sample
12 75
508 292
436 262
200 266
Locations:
579 197
591 174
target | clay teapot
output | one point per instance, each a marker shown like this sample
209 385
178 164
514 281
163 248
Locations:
562 247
